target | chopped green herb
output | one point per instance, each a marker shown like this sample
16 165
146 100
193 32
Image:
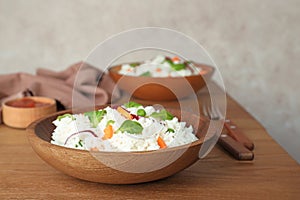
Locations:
162 115
65 115
170 130
80 143
131 127
134 64
76 145
95 117
141 112
132 104
146 74
110 122
176 67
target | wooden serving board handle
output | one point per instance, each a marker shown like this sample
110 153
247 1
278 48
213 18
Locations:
236 149
238 135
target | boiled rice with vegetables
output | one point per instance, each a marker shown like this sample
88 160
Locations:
130 127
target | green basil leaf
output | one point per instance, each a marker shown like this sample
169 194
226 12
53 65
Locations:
162 115
132 104
65 115
95 117
132 127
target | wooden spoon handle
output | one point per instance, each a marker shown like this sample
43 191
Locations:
238 135
236 149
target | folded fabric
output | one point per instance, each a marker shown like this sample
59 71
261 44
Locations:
82 82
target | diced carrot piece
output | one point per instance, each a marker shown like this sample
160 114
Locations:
161 143
158 70
124 113
108 132
175 59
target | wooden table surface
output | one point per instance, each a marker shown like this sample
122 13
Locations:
272 175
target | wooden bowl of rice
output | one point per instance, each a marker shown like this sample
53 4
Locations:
117 167
161 88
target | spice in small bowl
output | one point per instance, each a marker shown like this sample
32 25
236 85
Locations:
19 113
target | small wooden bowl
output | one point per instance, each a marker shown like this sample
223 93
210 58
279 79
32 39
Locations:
19 117
83 164
161 88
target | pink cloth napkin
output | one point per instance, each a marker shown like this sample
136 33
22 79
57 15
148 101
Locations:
61 85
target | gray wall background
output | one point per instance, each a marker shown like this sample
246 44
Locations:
255 44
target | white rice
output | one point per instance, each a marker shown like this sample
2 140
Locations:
120 141
156 68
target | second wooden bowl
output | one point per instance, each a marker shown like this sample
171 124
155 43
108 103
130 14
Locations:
161 89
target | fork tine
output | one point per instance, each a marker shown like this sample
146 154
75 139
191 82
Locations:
211 111
204 109
218 111
214 112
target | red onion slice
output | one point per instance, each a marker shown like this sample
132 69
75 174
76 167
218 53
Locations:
79 132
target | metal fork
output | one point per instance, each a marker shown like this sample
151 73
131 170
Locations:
229 143
213 113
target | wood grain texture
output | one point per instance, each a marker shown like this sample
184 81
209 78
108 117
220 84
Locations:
273 174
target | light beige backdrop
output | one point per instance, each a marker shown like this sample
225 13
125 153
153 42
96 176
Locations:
255 43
